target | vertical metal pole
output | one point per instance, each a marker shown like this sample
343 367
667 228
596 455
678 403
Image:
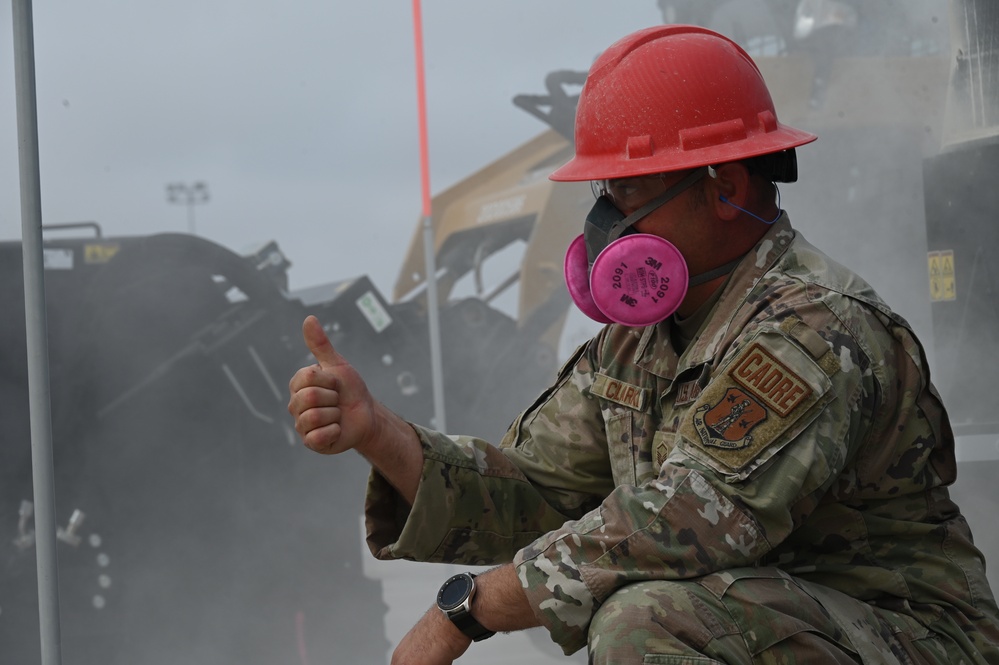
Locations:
433 316
429 263
37 335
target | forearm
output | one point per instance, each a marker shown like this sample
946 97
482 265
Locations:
500 603
395 452
473 507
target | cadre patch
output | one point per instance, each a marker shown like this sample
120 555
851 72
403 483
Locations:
770 380
752 403
619 392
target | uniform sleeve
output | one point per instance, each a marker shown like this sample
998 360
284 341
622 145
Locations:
478 504
764 440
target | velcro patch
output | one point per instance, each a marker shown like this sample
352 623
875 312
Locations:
662 446
757 401
686 393
619 392
769 380
730 422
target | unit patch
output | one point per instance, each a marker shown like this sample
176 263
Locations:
754 405
729 423
619 392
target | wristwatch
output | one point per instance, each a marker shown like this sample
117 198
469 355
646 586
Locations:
455 600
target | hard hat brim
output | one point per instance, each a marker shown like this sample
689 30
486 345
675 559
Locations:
608 167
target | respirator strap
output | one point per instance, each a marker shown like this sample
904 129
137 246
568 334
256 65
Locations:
619 227
715 273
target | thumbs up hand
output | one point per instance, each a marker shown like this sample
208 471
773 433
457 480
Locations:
330 402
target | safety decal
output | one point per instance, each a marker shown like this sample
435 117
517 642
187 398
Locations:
943 286
730 422
57 259
619 392
496 210
374 312
99 252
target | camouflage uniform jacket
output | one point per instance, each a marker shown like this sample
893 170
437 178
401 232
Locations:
798 430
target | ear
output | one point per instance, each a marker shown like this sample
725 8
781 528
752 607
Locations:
731 184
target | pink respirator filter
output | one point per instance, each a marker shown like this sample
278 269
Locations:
638 280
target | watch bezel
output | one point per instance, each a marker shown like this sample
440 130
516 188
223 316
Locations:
468 580
459 613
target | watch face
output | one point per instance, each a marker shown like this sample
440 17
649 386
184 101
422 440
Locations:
454 592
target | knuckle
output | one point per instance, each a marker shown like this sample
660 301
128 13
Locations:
320 441
299 378
310 398
314 442
314 419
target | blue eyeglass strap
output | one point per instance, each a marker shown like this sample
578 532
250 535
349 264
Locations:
753 214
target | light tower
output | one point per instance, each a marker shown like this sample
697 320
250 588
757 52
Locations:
191 195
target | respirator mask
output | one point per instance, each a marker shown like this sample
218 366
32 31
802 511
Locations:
615 274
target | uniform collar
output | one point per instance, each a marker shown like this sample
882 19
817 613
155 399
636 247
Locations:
655 352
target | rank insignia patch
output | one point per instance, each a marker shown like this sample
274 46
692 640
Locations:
662 452
662 446
729 423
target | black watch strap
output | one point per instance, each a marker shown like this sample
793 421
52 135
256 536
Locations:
458 608
467 624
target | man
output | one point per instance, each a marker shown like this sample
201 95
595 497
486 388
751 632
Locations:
749 464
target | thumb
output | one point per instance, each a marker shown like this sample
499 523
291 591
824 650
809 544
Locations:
319 344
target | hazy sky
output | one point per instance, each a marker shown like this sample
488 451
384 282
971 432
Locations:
300 116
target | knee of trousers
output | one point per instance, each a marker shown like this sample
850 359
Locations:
659 616
731 616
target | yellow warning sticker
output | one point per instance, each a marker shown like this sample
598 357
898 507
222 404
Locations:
99 253
943 286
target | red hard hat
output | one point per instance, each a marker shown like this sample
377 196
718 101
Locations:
671 98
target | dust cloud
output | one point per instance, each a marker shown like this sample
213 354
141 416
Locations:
210 536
